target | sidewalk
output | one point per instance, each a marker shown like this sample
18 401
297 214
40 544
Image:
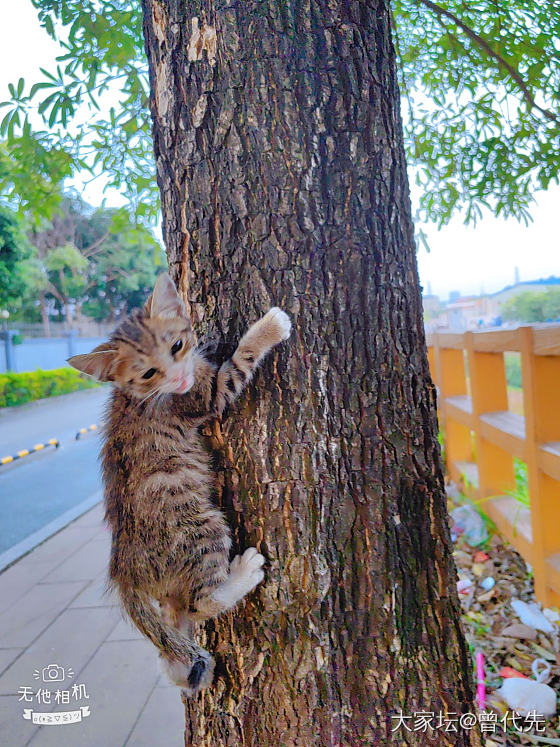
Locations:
53 611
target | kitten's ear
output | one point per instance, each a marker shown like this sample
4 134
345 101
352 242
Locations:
165 301
99 363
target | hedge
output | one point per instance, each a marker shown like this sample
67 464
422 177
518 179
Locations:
18 388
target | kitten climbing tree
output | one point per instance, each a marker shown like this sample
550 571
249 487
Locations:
279 152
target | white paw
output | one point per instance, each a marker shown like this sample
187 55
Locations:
246 569
280 320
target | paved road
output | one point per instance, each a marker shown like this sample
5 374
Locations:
58 417
38 489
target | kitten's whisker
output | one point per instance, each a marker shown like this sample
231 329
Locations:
151 393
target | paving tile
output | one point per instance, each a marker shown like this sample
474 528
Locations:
15 731
119 680
125 631
22 622
60 547
84 565
70 641
96 595
92 518
16 582
162 721
7 656
164 681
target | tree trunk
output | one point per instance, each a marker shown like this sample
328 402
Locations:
44 314
283 182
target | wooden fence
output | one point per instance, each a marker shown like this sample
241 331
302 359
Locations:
482 436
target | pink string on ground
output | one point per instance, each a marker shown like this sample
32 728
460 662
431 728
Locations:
480 682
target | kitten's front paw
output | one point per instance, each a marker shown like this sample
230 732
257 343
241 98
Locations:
246 570
278 324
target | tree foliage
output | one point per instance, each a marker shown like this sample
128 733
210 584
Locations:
95 262
531 306
480 82
14 251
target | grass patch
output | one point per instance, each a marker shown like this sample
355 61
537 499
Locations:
19 388
512 363
521 491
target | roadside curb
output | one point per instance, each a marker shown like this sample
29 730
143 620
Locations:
8 557
83 431
27 452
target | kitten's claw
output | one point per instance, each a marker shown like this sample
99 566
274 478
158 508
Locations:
280 320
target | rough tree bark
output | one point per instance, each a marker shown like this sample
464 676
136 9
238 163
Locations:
283 181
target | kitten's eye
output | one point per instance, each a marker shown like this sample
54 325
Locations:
176 347
150 373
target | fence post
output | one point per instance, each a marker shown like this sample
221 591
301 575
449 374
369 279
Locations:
541 400
489 394
452 382
9 348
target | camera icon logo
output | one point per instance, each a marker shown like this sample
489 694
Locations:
53 673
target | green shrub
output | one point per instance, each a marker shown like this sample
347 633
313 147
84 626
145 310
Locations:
513 370
18 388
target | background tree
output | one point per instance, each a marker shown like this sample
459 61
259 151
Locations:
283 182
543 306
481 86
14 251
95 262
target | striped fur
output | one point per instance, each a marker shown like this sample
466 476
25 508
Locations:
170 547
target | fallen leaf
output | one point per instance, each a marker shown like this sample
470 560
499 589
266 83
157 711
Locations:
519 630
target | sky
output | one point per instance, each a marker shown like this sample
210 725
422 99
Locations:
470 260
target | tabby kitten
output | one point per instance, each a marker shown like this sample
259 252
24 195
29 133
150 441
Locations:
170 544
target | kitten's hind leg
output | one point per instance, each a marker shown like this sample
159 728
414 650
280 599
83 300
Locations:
245 572
197 675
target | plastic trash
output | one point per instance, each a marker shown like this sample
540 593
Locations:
541 670
487 583
508 672
524 696
470 521
480 557
464 585
530 615
551 615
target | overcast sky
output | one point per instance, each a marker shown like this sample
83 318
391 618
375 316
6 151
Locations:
470 260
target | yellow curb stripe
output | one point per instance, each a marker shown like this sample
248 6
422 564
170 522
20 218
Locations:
26 452
83 431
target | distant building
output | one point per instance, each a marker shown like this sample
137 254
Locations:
432 305
496 300
472 312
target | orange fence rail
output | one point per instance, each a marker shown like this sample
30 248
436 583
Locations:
482 436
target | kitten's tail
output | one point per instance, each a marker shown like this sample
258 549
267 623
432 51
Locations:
198 664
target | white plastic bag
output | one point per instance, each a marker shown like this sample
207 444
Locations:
470 521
